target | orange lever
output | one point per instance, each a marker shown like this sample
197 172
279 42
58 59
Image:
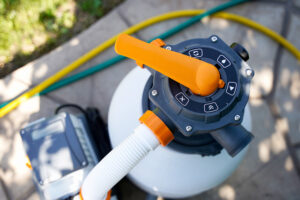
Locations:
199 76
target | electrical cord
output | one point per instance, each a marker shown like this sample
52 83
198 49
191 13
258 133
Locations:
60 74
69 106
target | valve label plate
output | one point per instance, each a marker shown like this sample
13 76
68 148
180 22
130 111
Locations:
223 61
196 53
182 99
231 88
210 107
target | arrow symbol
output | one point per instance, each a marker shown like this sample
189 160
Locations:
224 61
231 87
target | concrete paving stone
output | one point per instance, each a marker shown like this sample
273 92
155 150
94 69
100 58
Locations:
275 180
2 193
297 2
287 94
13 171
84 92
105 83
36 71
278 180
34 196
10 88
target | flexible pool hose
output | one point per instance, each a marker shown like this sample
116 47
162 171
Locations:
199 13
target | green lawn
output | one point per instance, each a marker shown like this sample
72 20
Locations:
30 28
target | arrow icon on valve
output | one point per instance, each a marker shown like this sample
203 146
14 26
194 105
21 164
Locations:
201 77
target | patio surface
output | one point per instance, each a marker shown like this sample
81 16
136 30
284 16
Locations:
268 170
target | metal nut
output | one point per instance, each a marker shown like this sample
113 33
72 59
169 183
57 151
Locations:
168 47
237 117
214 38
188 128
249 73
154 93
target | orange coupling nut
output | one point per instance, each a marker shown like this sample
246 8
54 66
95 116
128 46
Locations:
158 127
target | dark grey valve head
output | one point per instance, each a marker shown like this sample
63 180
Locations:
205 124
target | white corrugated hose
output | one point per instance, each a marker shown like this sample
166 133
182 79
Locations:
115 165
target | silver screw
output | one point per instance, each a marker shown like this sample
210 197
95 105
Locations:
154 93
41 182
237 118
214 38
168 47
83 163
249 73
22 131
188 128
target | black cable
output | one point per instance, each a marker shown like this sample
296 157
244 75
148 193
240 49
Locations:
70 105
98 131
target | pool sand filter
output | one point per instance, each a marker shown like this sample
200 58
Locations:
178 123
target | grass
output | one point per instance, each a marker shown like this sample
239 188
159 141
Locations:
30 28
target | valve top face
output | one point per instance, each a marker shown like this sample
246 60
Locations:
194 114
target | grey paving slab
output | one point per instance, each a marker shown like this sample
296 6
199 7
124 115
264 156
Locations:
297 3
13 170
287 94
34 196
2 193
105 84
10 88
278 180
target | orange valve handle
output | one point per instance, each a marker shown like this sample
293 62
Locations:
199 76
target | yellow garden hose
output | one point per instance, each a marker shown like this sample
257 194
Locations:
137 27
268 32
